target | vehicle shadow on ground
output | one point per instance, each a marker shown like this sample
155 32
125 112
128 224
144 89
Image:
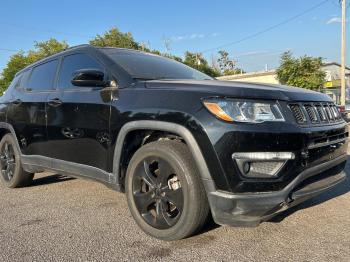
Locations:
339 190
209 226
51 179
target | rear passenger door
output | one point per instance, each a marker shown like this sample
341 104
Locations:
26 111
78 119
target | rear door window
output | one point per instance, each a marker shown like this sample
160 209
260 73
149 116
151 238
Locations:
42 77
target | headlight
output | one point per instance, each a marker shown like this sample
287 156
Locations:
244 111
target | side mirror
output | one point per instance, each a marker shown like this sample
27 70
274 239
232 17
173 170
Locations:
88 78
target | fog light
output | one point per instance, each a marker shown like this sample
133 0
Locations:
261 164
246 167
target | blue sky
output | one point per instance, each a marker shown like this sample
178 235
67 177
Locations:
190 25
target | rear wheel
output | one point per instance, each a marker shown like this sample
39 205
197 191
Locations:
11 171
164 191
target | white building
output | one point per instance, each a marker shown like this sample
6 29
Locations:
331 87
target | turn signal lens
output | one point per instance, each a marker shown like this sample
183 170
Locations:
216 110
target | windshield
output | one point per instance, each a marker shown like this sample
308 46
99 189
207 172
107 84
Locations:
151 67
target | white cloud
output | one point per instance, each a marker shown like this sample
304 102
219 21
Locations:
261 53
333 20
252 53
192 36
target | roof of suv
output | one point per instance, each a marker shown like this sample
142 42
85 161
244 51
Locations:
74 48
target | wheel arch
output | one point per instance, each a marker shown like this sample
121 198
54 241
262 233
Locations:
6 128
176 129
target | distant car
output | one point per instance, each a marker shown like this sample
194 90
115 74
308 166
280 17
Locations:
181 144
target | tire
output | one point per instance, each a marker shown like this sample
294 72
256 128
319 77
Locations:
158 174
12 174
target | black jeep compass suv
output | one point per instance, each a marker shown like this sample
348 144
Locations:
180 144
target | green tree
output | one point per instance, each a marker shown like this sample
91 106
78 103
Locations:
302 72
21 59
225 63
115 38
227 66
197 61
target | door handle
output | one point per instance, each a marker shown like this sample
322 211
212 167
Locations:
16 102
55 102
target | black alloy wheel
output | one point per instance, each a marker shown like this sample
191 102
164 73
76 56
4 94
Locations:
7 161
157 192
12 174
164 190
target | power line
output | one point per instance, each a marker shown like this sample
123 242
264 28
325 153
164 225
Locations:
267 29
9 50
204 51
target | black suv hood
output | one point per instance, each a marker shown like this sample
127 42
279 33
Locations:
240 90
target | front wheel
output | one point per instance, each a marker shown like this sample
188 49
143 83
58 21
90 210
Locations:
11 171
164 191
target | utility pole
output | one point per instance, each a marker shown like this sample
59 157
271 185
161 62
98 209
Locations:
343 47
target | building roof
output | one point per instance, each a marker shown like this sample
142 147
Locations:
333 63
267 73
247 75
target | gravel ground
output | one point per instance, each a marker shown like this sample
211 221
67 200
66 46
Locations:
64 219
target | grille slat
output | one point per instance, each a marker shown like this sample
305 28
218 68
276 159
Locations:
315 113
298 113
329 113
311 113
321 113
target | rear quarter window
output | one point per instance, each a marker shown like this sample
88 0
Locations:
15 82
42 77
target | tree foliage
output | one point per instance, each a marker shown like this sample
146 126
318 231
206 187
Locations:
114 38
227 66
197 61
21 59
225 63
302 72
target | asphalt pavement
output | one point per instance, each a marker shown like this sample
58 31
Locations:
65 219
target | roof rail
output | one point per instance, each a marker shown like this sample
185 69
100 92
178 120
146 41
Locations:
76 46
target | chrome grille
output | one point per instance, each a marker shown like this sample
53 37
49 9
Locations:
329 113
321 113
336 112
311 113
315 113
298 113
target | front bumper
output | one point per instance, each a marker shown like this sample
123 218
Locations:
250 209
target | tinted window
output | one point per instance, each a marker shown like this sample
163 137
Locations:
149 66
73 63
15 82
42 76
22 82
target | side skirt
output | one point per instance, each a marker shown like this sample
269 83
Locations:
35 163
